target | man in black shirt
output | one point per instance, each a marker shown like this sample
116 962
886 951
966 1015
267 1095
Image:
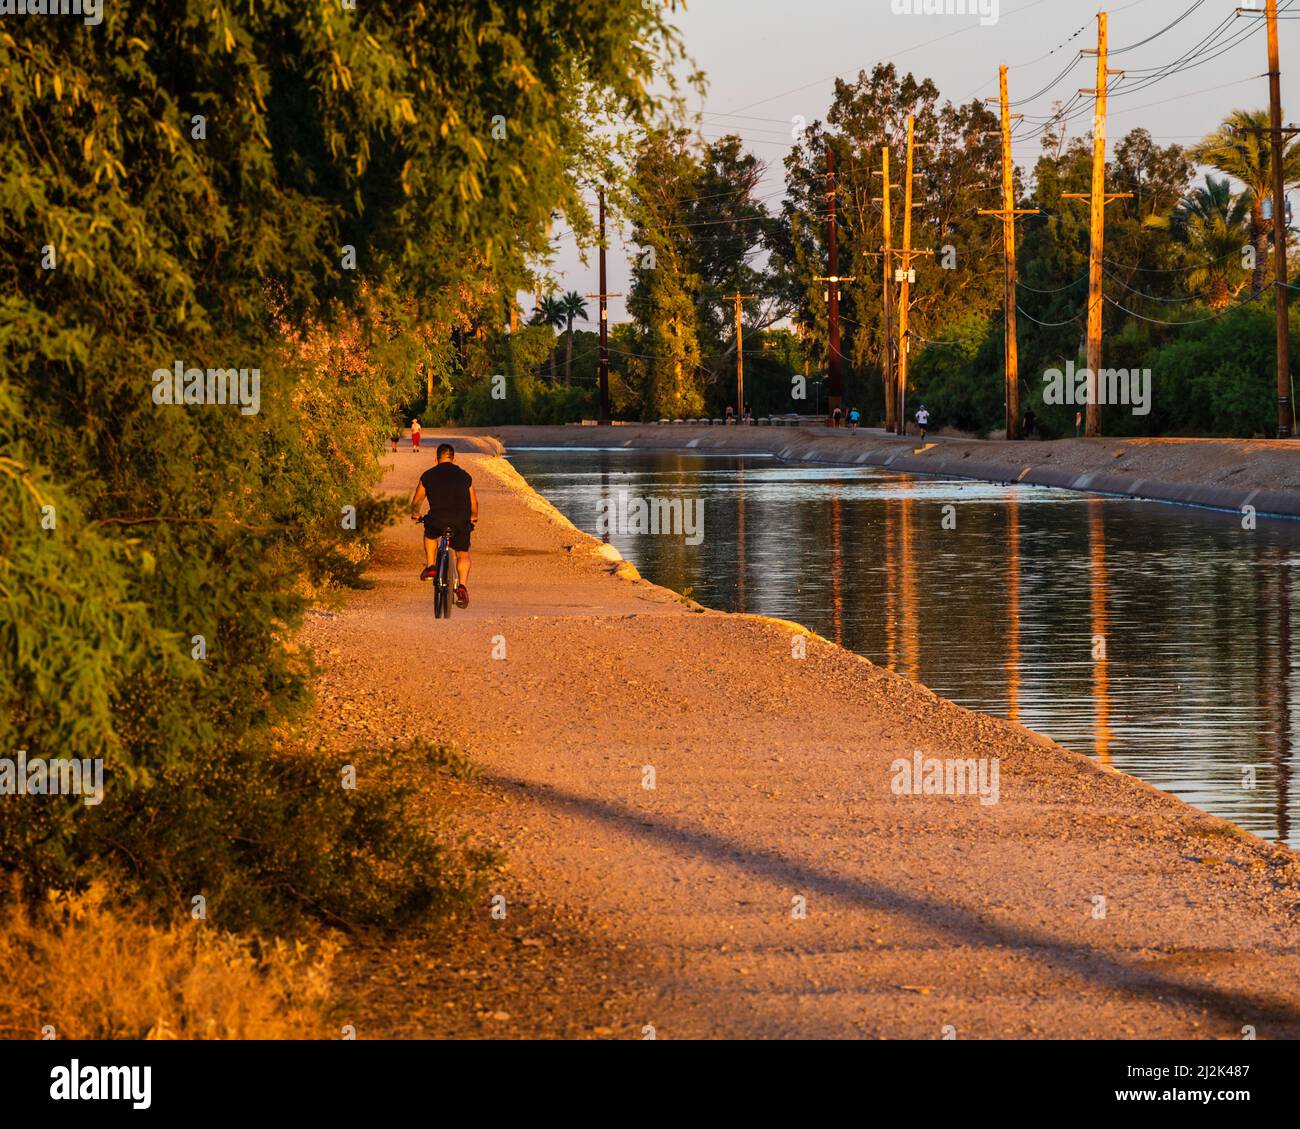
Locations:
452 504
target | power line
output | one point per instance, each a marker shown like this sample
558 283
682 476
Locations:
1048 324
1158 34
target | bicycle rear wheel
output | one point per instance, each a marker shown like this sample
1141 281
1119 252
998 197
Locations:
442 582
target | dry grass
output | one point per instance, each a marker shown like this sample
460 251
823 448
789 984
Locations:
94 972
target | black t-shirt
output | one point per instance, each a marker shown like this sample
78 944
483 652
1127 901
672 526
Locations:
446 487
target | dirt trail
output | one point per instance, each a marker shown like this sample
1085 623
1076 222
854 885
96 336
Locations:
677 906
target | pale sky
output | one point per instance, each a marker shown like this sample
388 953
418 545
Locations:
769 60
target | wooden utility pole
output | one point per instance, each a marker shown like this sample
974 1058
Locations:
1009 214
1099 200
835 369
1285 415
887 364
605 415
738 298
904 276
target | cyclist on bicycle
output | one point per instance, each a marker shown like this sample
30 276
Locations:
453 505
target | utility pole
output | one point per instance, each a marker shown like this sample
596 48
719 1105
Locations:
1009 214
834 368
738 298
887 365
1099 200
835 371
1284 409
605 415
905 276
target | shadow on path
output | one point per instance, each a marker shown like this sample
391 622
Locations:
1086 962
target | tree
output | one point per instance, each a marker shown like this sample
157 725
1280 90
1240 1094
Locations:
665 288
1213 224
572 305
323 195
955 164
725 227
550 313
1242 148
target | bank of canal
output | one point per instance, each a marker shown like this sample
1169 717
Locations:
1157 639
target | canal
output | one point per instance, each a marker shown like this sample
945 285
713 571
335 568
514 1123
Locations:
1155 638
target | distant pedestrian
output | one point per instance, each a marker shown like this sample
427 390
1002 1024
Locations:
1031 425
749 414
415 435
731 414
923 420
835 417
855 417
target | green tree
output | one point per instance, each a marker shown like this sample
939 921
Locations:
956 160
550 313
1213 222
329 196
1241 148
573 305
665 287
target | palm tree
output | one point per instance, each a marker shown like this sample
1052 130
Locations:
574 306
1241 148
550 312
1212 222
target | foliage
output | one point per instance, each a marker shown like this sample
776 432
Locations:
336 197
137 980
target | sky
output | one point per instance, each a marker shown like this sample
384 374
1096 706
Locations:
767 61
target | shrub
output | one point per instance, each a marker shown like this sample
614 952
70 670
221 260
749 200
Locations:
91 971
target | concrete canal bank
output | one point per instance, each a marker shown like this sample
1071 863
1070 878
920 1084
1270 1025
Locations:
1226 474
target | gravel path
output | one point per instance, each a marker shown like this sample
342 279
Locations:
771 883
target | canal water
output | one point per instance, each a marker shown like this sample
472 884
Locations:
1157 639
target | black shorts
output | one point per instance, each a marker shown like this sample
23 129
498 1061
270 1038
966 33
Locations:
459 532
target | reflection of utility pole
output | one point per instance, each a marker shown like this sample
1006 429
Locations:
1099 199
738 298
1009 214
605 416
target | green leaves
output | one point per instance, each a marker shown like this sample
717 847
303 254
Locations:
177 186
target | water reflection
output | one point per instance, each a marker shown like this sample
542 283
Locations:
1100 641
1155 638
1013 608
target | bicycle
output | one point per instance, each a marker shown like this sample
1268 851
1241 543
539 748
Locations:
444 577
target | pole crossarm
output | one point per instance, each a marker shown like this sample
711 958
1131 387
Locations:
1107 197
